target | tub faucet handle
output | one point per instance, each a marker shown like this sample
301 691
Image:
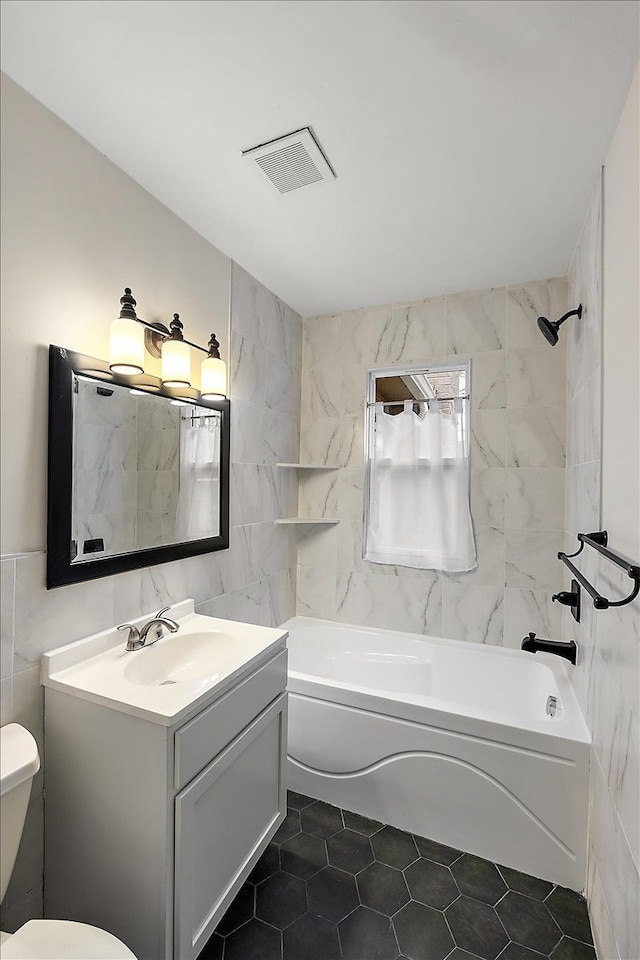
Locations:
564 597
570 598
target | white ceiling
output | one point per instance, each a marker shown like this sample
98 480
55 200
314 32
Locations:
466 136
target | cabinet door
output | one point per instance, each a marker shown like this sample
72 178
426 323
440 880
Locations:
224 819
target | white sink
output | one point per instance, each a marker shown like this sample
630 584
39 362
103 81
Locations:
182 658
166 680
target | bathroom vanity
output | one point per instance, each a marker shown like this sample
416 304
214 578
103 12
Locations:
164 777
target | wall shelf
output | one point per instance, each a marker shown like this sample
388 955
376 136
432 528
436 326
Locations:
308 520
309 466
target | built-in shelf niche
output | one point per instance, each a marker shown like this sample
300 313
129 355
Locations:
309 466
307 520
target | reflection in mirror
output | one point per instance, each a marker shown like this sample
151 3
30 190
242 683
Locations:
146 470
138 474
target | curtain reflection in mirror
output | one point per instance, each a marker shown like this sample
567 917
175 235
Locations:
198 497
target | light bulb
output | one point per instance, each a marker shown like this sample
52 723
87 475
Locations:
176 364
213 377
126 346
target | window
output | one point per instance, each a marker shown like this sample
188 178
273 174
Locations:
417 510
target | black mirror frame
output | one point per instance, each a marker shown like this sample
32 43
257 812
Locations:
60 569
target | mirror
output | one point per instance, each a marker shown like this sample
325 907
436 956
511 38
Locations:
137 474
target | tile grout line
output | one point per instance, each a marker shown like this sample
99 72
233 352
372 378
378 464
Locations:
390 918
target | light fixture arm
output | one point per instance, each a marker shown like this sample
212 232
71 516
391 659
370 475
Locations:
158 333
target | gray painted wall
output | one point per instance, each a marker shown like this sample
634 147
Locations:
76 230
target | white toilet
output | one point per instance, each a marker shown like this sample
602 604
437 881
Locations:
38 939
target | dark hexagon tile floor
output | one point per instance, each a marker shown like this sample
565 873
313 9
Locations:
334 885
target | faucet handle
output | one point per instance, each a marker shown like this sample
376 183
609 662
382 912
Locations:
172 624
133 639
566 597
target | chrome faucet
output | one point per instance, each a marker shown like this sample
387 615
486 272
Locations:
138 638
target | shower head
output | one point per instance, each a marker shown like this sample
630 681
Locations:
549 329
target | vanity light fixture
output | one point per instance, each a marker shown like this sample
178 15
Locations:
176 357
126 339
213 371
130 335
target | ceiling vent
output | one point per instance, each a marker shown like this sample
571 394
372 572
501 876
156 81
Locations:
292 162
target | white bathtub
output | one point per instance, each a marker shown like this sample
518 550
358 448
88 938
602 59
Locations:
446 739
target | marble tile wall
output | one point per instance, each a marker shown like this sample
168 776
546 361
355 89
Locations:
606 676
265 372
517 464
105 498
254 580
126 453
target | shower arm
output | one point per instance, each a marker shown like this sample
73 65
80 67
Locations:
599 543
571 313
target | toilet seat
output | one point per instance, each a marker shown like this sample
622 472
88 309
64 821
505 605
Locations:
63 940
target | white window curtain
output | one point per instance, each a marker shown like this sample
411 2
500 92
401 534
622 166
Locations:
199 496
419 511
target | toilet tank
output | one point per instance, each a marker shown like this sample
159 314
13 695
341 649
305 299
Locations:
19 763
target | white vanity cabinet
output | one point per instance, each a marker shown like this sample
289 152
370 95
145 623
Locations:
151 828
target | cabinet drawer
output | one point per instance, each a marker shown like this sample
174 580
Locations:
207 734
